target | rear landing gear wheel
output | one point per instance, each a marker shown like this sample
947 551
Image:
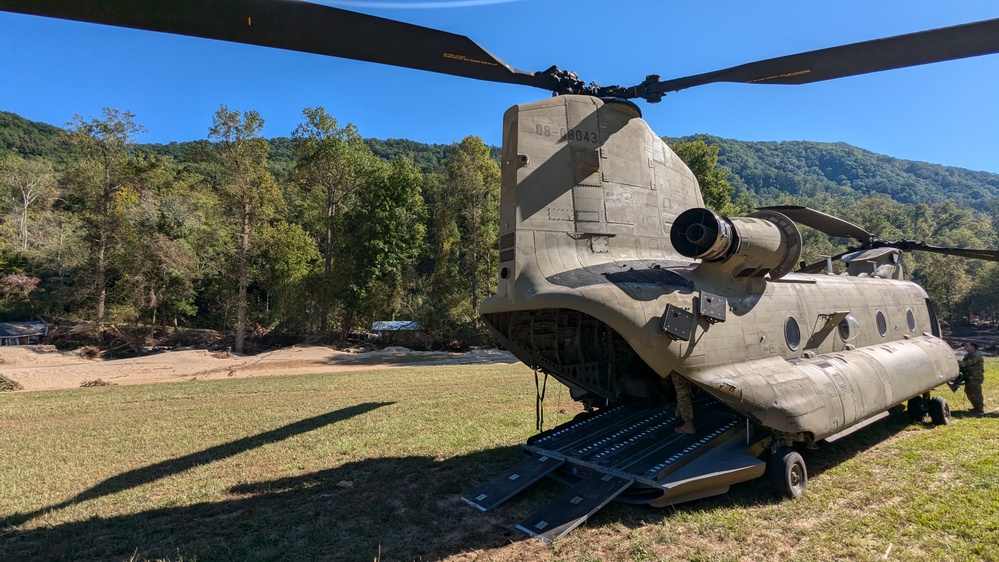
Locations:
939 411
788 475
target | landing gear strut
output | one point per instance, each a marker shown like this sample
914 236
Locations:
917 408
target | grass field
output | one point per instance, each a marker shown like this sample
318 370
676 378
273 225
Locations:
356 466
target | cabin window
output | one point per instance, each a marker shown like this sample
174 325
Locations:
792 333
934 323
848 328
911 320
882 323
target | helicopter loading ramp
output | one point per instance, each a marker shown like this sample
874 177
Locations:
632 455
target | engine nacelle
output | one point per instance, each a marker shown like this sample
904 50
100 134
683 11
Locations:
763 243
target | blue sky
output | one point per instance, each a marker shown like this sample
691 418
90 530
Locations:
945 113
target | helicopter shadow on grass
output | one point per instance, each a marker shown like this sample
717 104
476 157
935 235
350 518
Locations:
164 469
395 508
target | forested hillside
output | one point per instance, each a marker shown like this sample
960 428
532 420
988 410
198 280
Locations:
807 169
29 139
318 234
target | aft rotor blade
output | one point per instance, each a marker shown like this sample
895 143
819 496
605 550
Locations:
908 246
297 26
833 226
925 47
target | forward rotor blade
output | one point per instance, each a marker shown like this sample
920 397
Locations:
295 26
833 226
909 245
925 47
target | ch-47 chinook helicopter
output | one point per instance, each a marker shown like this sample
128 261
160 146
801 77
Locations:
613 276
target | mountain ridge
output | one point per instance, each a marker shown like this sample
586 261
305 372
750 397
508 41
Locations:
766 169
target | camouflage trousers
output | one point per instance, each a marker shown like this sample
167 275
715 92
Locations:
684 403
973 388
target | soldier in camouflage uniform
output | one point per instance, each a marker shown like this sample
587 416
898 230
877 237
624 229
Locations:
684 404
973 367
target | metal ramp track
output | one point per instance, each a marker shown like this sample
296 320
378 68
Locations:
638 444
609 452
574 506
512 482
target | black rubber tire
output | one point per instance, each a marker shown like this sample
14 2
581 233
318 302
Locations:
788 475
916 408
939 411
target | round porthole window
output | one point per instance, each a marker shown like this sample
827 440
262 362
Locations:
792 333
882 323
911 320
848 328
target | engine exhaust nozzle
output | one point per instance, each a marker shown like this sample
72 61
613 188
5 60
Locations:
702 234
765 243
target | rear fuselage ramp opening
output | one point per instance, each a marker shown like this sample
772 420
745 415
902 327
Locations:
629 454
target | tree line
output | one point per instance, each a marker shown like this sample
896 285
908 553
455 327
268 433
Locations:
221 238
321 234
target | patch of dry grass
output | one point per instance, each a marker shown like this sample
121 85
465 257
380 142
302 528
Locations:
96 382
253 469
9 385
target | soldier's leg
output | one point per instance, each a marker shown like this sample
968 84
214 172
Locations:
973 388
684 403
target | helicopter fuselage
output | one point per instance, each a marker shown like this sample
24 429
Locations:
593 291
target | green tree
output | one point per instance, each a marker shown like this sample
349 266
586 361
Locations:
287 259
4 246
104 185
247 187
948 279
983 299
702 159
465 230
387 228
166 242
882 216
477 178
331 161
